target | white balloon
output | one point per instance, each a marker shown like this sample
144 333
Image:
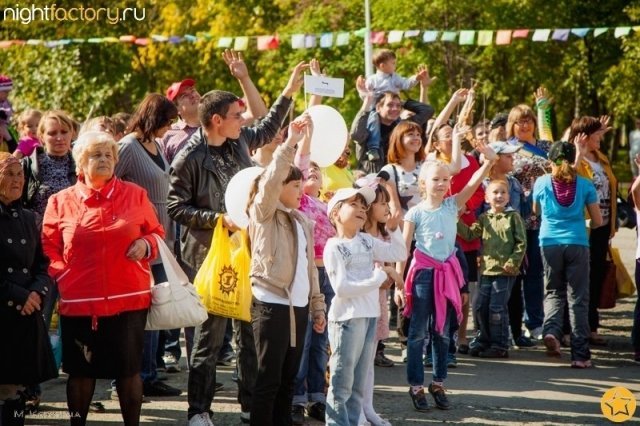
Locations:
236 196
329 135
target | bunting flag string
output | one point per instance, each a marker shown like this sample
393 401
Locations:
501 37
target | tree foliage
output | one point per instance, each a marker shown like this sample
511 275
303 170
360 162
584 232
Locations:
585 76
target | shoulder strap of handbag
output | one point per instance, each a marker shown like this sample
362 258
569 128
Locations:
174 272
403 203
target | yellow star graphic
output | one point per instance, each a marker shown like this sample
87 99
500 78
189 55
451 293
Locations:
618 405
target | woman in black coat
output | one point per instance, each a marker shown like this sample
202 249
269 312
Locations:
24 283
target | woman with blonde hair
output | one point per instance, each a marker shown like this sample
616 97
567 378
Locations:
99 235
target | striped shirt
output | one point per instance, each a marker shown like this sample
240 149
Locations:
565 192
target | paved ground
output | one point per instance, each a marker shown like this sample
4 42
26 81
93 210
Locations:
528 388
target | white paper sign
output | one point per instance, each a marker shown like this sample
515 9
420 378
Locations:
324 86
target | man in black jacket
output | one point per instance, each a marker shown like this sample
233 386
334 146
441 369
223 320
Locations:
199 177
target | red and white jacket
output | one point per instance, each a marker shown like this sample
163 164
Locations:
86 234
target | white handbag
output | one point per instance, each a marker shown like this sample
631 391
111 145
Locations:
175 303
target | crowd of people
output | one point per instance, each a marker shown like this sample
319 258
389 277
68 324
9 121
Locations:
458 232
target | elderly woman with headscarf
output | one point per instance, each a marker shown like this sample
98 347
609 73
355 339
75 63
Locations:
99 235
26 354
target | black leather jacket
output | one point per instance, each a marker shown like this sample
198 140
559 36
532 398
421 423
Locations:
196 193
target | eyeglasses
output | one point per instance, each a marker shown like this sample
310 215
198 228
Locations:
524 121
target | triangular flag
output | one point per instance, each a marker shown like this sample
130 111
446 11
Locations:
636 28
560 34
580 32
395 36
599 31
241 43
411 33
190 37
175 39
81 40
111 40
430 36
522 33
342 39
485 37
264 41
310 41
449 35
125 39
5 44
503 37
541 35
297 41
34 42
467 37
377 37
326 40
621 31
225 42
96 40
159 38
139 41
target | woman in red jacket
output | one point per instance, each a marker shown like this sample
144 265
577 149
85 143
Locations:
99 237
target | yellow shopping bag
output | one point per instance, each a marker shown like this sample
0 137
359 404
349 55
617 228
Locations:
624 282
223 279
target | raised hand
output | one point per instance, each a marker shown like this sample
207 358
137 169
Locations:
605 120
300 127
460 95
236 63
296 80
485 149
542 94
314 67
580 141
423 76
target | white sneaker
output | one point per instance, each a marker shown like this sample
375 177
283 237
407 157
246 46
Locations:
201 419
171 364
535 334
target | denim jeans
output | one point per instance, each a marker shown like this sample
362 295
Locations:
635 331
310 381
171 342
492 310
566 267
278 360
353 343
533 283
422 325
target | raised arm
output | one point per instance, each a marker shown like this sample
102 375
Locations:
271 181
543 105
314 67
458 97
425 81
479 175
256 107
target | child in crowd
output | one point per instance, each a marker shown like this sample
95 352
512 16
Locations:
435 278
378 218
561 198
635 332
28 131
284 281
502 171
309 389
504 241
350 259
384 80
